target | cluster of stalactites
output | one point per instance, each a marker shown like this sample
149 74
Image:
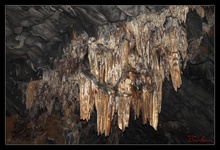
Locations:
60 85
128 64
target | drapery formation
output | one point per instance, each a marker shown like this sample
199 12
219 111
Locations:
123 69
128 64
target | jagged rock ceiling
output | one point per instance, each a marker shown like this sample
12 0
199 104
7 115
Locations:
114 61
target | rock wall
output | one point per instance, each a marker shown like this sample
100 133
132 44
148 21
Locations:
118 70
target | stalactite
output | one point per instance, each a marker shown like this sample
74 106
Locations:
127 67
148 51
31 93
60 87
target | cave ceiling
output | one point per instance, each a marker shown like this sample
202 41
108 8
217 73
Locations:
119 62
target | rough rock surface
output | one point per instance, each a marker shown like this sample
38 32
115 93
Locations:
110 74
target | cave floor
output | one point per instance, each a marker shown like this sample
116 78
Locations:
37 132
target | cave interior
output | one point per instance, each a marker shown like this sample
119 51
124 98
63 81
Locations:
110 74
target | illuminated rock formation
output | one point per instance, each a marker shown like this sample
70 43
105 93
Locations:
117 68
127 66
132 60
